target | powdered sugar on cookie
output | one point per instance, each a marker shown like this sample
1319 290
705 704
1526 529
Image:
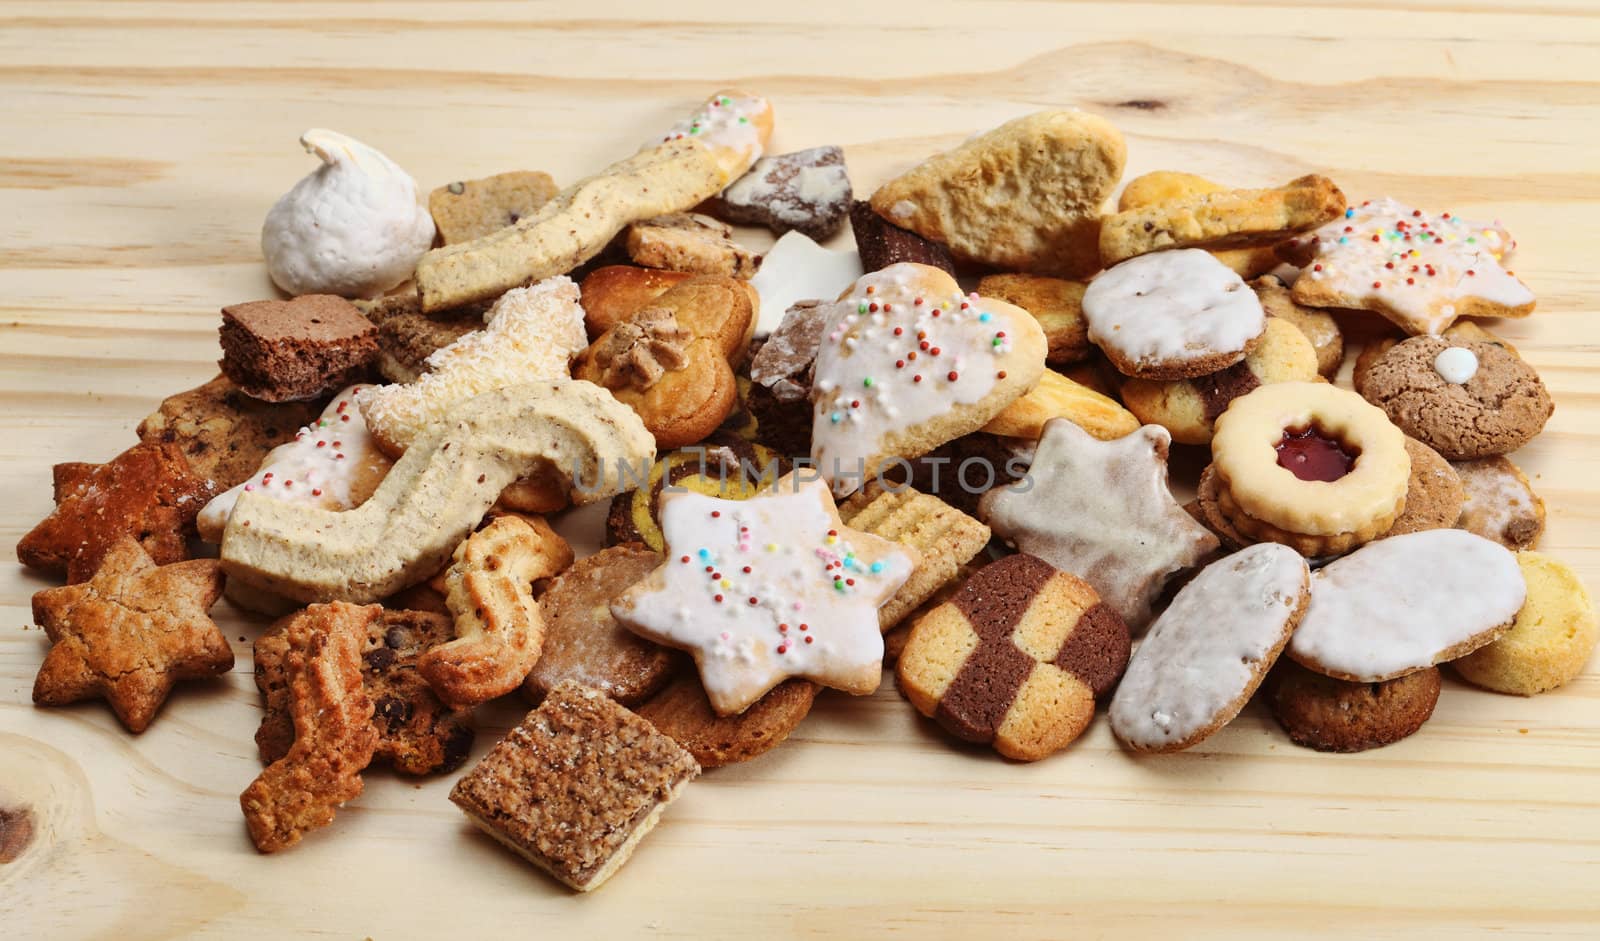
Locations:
531 334
1408 602
332 464
1210 649
764 589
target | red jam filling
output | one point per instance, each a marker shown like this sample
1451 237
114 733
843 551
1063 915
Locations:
1310 455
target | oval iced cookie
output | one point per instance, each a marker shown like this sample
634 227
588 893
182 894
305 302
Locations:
1210 649
1406 603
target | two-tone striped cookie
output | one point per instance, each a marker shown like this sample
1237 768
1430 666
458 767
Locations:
1015 658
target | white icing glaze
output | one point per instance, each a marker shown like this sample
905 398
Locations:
1417 264
1209 650
798 269
793 201
1102 511
1496 497
332 464
1172 307
871 381
791 614
727 123
1396 605
1456 364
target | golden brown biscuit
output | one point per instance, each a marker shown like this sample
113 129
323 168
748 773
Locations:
499 630
1549 642
1164 186
470 209
689 241
223 432
943 538
613 294
1053 171
1056 303
672 362
1220 219
1318 325
129 633
334 736
1056 396
682 711
583 642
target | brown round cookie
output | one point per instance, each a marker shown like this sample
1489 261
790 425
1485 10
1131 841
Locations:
1379 345
1496 404
583 642
1209 512
1434 496
682 712
1015 658
724 466
1338 716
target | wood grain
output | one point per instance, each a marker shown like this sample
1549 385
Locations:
143 142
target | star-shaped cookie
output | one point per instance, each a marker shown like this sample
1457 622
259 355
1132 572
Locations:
1419 269
147 492
130 632
763 589
1102 511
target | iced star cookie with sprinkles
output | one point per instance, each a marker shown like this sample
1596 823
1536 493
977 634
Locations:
765 589
907 363
1419 269
332 464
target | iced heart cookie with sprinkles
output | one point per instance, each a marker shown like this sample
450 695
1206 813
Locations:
908 362
1418 269
333 464
763 589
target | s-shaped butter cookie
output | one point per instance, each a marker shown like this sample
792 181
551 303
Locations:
436 493
698 157
499 630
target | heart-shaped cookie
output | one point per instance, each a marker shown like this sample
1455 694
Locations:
908 362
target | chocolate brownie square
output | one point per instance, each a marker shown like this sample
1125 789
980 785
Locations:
304 348
576 786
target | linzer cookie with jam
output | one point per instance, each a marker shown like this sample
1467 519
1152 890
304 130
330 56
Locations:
1285 460
1015 658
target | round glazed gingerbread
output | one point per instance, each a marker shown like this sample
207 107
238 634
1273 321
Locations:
1338 716
1464 398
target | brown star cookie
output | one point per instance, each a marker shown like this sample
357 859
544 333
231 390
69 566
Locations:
333 735
147 492
130 632
417 734
224 433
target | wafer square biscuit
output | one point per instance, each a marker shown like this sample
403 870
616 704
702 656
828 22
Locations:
945 539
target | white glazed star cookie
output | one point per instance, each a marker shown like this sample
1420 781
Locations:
1102 511
908 362
763 589
1418 269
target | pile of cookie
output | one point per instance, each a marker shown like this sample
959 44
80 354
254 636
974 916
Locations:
945 450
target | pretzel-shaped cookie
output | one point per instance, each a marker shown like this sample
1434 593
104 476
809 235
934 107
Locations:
699 157
499 631
436 493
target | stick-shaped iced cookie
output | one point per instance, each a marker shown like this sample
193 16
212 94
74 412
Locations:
698 157
436 493
332 464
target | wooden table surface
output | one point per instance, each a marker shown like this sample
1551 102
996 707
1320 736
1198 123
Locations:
141 144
